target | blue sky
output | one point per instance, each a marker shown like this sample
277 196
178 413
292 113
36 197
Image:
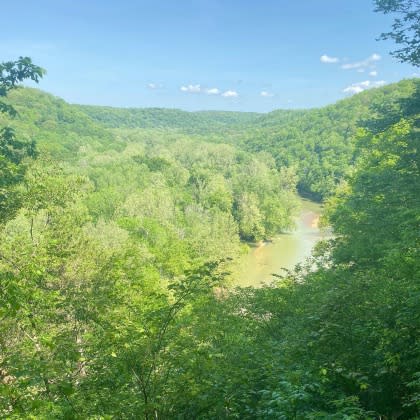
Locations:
238 55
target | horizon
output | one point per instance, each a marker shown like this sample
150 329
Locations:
38 88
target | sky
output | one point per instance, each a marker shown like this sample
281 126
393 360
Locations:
239 55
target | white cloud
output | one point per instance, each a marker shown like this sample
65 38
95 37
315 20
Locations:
266 94
329 60
154 86
361 86
368 62
191 88
353 89
230 94
212 91
199 89
379 83
373 73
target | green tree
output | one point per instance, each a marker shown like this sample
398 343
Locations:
12 150
405 29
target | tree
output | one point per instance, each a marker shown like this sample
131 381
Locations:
12 150
405 29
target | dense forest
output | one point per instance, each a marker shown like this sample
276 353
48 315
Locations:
118 230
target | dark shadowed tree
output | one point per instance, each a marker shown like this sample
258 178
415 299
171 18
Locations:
405 29
12 150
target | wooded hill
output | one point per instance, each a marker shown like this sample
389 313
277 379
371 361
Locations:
317 143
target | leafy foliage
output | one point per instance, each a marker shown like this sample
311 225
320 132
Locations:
12 150
405 29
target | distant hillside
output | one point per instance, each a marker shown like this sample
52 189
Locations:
318 143
197 122
58 127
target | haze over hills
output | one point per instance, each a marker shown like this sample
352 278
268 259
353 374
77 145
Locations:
168 118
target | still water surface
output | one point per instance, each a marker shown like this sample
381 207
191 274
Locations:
286 250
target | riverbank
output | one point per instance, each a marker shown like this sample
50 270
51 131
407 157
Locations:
282 252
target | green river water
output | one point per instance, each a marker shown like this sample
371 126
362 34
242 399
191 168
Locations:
285 251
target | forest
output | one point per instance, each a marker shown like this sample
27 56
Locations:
119 227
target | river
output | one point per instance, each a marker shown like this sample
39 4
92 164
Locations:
286 250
